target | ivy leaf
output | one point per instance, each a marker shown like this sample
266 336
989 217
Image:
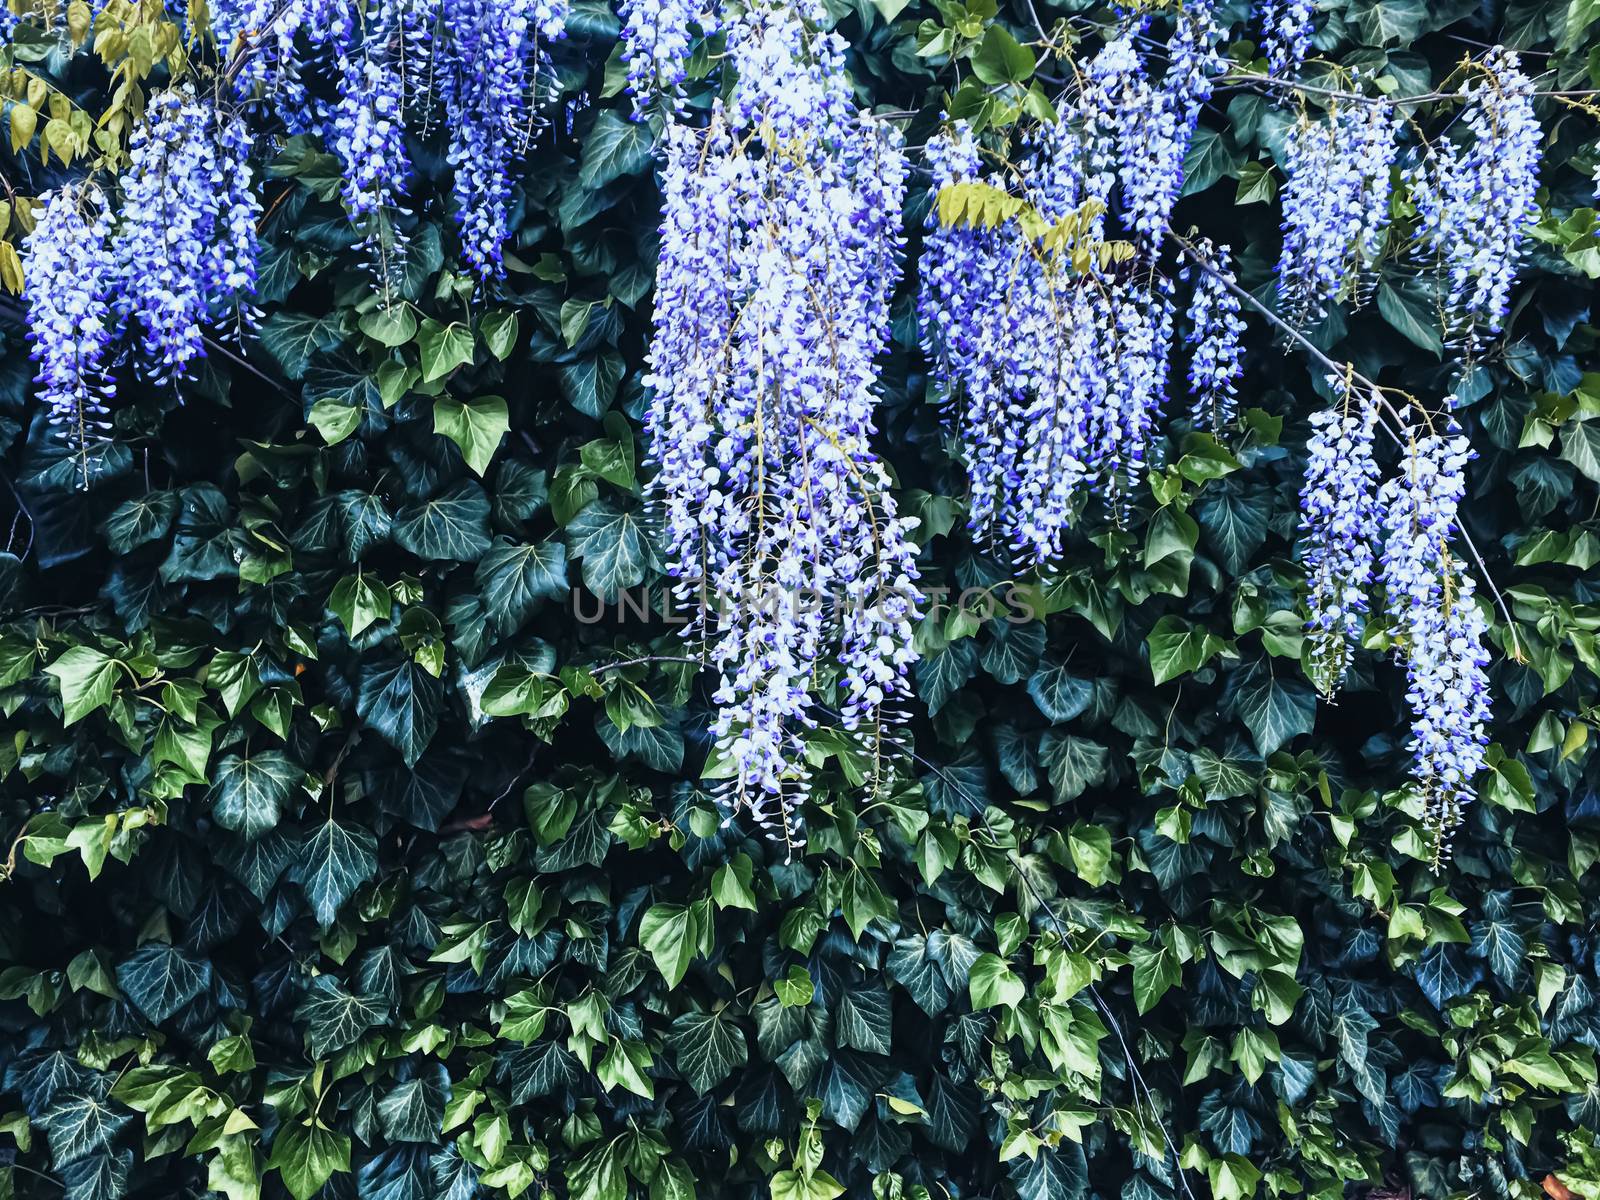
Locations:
614 147
1072 764
102 1176
401 700
1580 446
1051 1174
160 979
941 675
1209 157
590 383
1060 695
334 419
292 338
136 522
672 935
1233 517
413 1111
80 1123
1274 709
614 548
249 793
336 1017
87 679
993 984
1155 972
1179 648
451 527
390 325
337 860
307 1155
514 577
1411 318
442 348
476 426
862 1020
706 1048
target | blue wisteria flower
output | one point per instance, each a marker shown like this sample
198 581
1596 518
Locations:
1335 205
1436 623
1215 329
1476 197
1286 27
1339 533
1151 122
1054 374
656 37
493 63
780 248
166 267
70 323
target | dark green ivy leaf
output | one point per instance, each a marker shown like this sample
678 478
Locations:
335 1017
159 979
615 146
338 859
706 1048
1274 707
614 547
249 793
452 527
401 700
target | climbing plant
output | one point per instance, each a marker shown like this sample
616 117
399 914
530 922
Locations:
1212 392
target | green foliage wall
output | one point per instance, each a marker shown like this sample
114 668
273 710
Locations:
340 853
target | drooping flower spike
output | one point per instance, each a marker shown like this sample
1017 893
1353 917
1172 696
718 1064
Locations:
1215 330
780 247
1437 625
1339 532
70 321
1476 197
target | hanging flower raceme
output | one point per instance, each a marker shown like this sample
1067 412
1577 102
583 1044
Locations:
1053 364
181 243
367 131
1436 624
1286 33
656 36
1335 205
1151 123
231 271
1339 533
69 283
264 46
780 244
976 293
1476 197
1215 329
493 66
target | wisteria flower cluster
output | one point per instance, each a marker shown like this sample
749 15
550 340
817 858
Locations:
1150 123
483 60
185 238
1476 196
180 255
1215 328
1339 533
70 274
780 246
656 37
1436 622
1056 373
1335 205
1286 27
